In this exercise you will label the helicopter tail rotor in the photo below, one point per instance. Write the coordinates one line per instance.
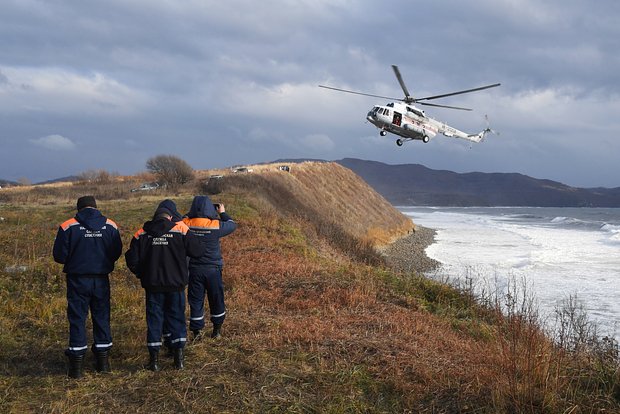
(480, 137)
(488, 128)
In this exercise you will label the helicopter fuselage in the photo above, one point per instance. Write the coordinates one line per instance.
(403, 120)
(410, 122)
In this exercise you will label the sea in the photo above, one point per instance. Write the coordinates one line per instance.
(554, 253)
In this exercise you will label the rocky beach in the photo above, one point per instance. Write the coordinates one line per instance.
(407, 254)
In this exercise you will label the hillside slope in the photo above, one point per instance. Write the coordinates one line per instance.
(327, 193)
(310, 327)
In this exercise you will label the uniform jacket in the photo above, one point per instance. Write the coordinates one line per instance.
(204, 221)
(88, 244)
(157, 255)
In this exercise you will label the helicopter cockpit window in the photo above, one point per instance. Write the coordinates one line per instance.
(391, 105)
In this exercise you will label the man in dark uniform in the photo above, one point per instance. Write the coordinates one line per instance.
(157, 256)
(176, 217)
(210, 222)
(88, 245)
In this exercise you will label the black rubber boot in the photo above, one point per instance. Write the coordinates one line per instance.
(178, 358)
(154, 361)
(102, 363)
(197, 334)
(76, 366)
(168, 346)
(217, 331)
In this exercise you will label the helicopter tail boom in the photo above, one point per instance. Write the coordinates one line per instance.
(479, 137)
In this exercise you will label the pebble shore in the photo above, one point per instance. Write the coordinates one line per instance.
(407, 254)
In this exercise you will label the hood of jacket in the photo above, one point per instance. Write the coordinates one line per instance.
(202, 207)
(170, 205)
(90, 218)
(158, 226)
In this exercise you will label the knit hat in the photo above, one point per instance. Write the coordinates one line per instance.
(161, 211)
(86, 201)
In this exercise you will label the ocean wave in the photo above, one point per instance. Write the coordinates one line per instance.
(570, 222)
(560, 250)
(575, 223)
(610, 228)
(612, 233)
(526, 216)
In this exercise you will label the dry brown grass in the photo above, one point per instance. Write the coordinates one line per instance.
(311, 327)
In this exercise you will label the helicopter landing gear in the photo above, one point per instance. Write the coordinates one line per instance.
(383, 133)
(399, 142)
(425, 139)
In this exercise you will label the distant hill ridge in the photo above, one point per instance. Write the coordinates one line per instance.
(7, 182)
(70, 178)
(415, 184)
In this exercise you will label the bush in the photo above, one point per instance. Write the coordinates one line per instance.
(170, 170)
(97, 177)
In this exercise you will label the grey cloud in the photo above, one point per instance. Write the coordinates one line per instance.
(55, 142)
(178, 77)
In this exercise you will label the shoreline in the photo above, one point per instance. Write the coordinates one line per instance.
(407, 254)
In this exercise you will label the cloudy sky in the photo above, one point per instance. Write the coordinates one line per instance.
(106, 85)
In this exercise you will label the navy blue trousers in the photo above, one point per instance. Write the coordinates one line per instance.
(84, 293)
(168, 306)
(206, 280)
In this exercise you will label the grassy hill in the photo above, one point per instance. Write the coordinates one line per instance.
(316, 321)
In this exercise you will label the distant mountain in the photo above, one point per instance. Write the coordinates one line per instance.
(7, 183)
(415, 184)
(60, 180)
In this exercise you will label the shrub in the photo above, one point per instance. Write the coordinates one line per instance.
(96, 176)
(170, 170)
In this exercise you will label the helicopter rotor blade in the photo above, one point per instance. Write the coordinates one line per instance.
(408, 97)
(457, 93)
(444, 106)
(359, 93)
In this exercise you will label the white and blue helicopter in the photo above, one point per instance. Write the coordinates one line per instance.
(404, 119)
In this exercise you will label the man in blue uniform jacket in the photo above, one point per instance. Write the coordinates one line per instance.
(88, 245)
(176, 217)
(209, 222)
(157, 256)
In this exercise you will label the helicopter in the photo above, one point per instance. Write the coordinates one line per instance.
(409, 122)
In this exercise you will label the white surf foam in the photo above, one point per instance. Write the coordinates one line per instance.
(557, 260)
